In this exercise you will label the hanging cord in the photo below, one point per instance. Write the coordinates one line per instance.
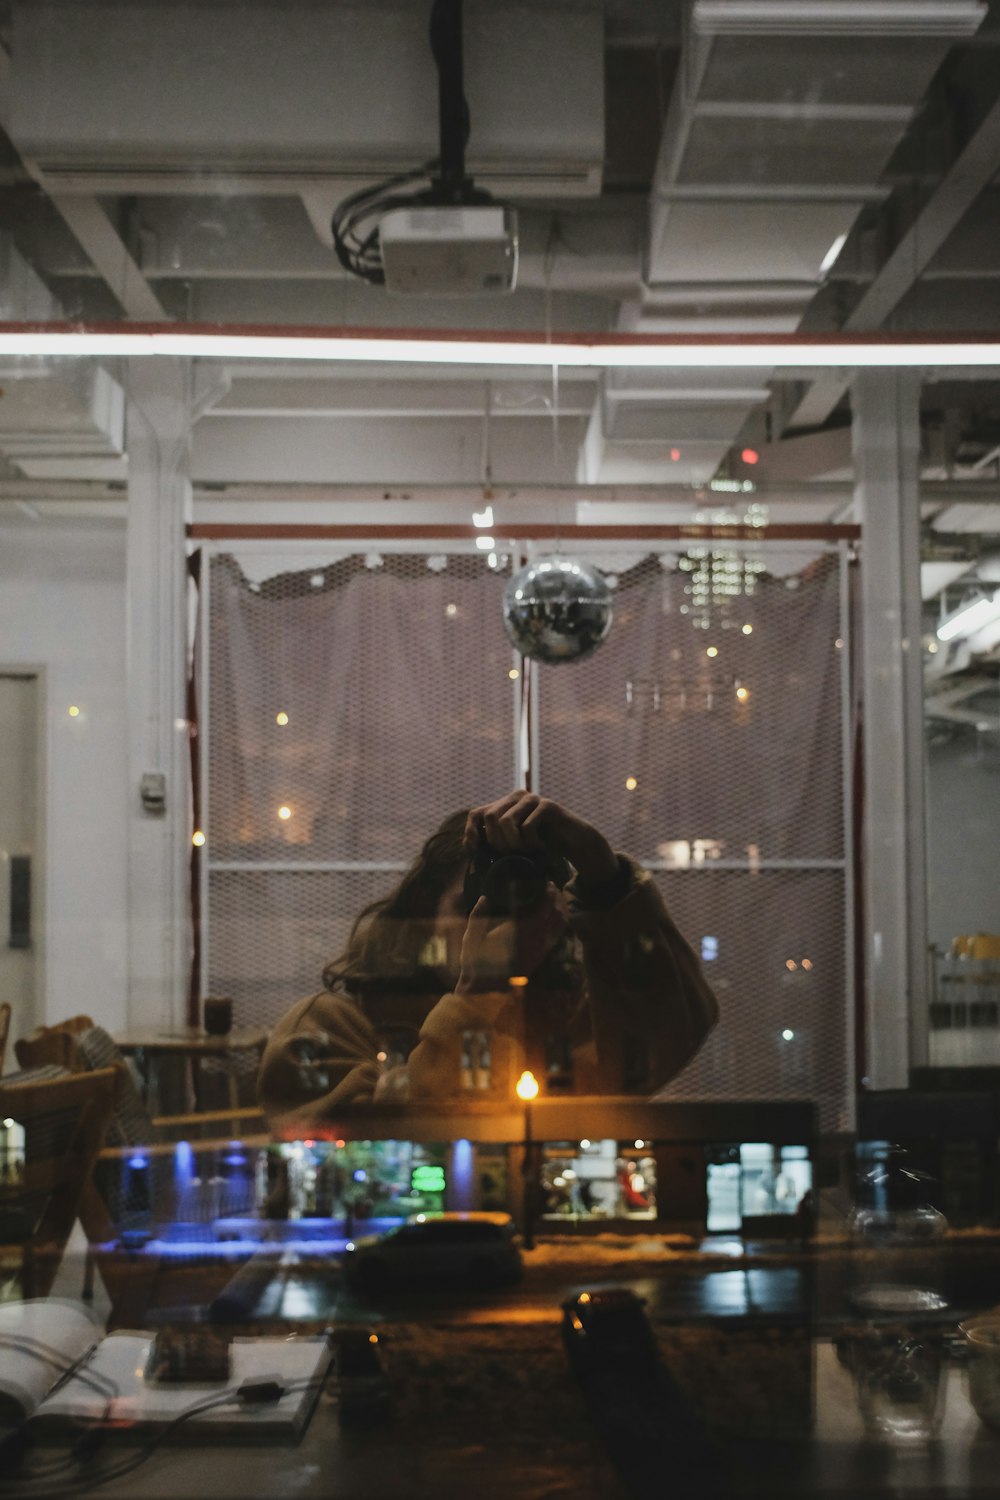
(355, 223)
(486, 456)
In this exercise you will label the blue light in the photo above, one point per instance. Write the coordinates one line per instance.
(462, 1181)
(360, 1175)
(709, 949)
(138, 1162)
(183, 1163)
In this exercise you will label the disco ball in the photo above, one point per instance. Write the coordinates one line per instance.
(557, 609)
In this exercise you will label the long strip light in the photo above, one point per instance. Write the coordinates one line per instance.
(970, 618)
(595, 351)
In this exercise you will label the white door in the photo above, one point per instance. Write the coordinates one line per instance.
(18, 851)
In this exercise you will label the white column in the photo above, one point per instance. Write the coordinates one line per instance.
(159, 507)
(886, 433)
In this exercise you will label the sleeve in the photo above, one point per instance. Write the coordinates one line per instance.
(320, 1057)
(649, 1007)
(435, 1064)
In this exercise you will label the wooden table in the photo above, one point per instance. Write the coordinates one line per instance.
(174, 1054)
(834, 1462)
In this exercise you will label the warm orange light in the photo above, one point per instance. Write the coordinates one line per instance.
(526, 1087)
(518, 981)
(742, 694)
(750, 456)
(373, 1338)
(630, 783)
(807, 963)
(790, 963)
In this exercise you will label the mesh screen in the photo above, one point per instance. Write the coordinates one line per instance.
(761, 924)
(393, 678)
(739, 751)
(392, 673)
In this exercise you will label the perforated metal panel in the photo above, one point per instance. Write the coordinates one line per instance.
(722, 772)
(368, 699)
(715, 756)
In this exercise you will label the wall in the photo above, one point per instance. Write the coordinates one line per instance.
(963, 881)
(62, 611)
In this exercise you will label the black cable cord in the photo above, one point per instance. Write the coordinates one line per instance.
(363, 257)
(67, 1368)
(274, 1392)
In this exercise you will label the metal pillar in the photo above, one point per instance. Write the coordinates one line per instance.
(886, 441)
(159, 836)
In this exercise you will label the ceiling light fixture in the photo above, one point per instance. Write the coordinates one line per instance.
(969, 618)
(826, 264)
(578, 351)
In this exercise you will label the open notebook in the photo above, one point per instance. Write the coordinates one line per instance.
(40, 1339)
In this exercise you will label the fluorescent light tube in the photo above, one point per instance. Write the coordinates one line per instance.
(970, 618)
(832, 253)
(599, 351)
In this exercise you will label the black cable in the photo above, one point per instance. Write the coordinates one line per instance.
(269, 1393)
(68, 1368)
(363, 258)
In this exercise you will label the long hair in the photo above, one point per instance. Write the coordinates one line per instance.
(390, 949)
(387, 950)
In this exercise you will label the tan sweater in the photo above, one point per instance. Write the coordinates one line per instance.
(643, 989)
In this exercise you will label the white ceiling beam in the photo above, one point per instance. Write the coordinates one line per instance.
(88, 221)
(971, 172)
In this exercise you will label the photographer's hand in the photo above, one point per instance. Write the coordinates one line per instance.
(495, 949)
(525, 821)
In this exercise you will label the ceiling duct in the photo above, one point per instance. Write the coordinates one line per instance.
(298, 98)
(784, 116)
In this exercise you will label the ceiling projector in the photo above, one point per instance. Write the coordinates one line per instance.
(450, 250)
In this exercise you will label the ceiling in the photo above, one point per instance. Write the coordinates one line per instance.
(714, 166)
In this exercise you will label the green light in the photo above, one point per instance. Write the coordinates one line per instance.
(427, 1179)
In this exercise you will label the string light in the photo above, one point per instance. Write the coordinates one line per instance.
(281, 718)
(513, 674)
(712, 651)
(748, 630)
(790, 964)
(630, 783)
(743, 693)
(284, 812)
(73, 711)
(197, 838)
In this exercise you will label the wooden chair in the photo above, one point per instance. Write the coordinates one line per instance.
(4, 1031)
(49, 1046)
(132, 1193)
(78, 1046)
(45, 1174)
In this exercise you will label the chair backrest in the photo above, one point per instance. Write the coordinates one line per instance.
(4, 1031)
(64, 1119)
(53, 1046)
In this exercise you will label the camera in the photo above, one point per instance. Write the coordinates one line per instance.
(513, 884)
